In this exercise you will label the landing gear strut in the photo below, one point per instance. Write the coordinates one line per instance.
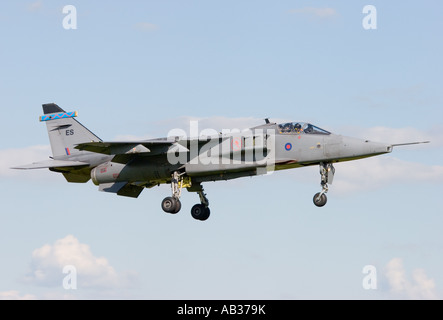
(201, 211)
(327, 171)
(173, 204)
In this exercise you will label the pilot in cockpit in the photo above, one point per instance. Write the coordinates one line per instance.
(288, 127)
(297, 128)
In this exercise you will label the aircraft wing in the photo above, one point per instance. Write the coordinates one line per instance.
(124, 151)
(52, 164)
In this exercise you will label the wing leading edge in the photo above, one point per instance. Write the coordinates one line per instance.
(127, 147)
(124, 151)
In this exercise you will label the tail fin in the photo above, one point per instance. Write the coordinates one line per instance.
(64, 131)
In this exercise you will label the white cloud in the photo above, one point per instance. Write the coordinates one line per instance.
(15, 295)
(16, 157)
(92, 272)
(320, 13)
(376, 172)
(146, 26)
(421, 287)
(397, 135)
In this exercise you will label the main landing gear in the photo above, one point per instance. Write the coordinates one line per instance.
(201, 211)
(327, 171)
(173, 205)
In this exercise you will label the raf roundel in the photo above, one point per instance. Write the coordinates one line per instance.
(288, 146)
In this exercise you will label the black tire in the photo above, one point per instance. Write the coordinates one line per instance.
(206, 214)
(200, 212)
(178, 206)
(169, 204)
(322, 201)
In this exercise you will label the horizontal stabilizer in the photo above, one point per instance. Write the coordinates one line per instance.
(52, 164)
(122, 189)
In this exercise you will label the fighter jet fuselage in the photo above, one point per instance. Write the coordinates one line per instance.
(128, 167)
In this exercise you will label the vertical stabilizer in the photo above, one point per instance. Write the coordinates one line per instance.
(64, 131)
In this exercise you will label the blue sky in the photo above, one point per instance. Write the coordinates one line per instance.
(142, 68)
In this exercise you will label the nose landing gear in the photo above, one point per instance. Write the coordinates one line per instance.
(327, 172)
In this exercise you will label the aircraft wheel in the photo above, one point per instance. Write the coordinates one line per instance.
(170, 205)
(200, 212)
(320, 202)
(206, 214)
(178, 206)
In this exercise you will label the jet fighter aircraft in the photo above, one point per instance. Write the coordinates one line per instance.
(127, 167)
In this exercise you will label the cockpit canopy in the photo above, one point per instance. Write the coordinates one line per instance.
(300, 127)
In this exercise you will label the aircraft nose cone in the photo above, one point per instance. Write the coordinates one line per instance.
(377, 147)
(371, 147)
(353, 147)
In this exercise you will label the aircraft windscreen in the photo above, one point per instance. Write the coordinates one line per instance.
(300, 127)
